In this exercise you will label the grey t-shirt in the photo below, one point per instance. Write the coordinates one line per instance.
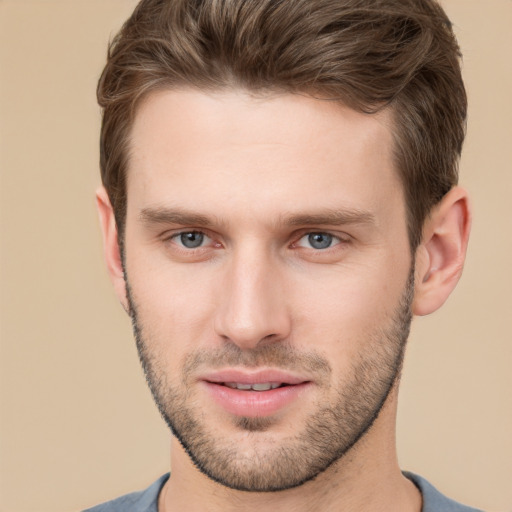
(147, 500)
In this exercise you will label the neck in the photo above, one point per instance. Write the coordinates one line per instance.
(366, 478)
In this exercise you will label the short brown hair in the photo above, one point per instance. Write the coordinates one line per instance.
(368, 54)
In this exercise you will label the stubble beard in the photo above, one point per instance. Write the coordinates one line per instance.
(329, 434)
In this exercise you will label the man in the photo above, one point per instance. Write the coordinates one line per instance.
(279, 198)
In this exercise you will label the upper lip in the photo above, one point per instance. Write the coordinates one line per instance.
(247, 376)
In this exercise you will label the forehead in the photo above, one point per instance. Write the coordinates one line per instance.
(238, 117)
(233, 149)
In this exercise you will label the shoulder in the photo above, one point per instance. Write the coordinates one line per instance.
(433, 500)
(141, 501)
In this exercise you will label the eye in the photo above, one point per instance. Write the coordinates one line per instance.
(318, 240)
(191, 239)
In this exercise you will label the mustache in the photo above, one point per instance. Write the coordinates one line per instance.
(276, 355)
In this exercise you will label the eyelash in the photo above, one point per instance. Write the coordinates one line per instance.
(336, 239)
(175, 236)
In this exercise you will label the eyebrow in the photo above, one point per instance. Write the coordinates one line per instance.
(332, 217)
(162, 215)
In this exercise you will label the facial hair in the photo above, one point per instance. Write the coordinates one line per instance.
(327, 436)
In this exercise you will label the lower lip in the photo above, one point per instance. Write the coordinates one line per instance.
(253, 404)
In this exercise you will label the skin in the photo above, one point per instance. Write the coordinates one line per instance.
(244, 166)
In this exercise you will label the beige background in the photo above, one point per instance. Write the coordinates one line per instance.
(77, 423)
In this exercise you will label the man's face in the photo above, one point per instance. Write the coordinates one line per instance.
(269, 277)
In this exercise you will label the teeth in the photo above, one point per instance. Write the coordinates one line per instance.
(264, 386)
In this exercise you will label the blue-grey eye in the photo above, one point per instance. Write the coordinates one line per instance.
(191, 239)
(320, 240)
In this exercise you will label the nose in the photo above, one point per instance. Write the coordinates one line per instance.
(251, 307)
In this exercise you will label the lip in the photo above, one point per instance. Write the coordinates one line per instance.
(253, 376)
(252, 404)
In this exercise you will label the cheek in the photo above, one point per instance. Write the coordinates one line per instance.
(174, 305)
(341, 316)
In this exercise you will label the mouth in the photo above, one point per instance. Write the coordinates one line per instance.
(255, 394)
(263, 386)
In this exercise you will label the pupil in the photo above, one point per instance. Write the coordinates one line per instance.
(320, 240)
(192, 240)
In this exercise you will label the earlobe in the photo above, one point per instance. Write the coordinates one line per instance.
(111, 248)
(440, 257)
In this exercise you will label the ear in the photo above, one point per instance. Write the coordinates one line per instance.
(441, 254)
(111, 248)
